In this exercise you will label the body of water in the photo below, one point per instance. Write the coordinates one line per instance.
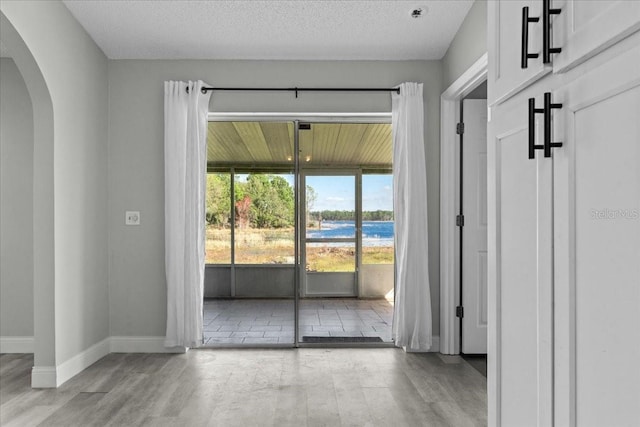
(374, 233)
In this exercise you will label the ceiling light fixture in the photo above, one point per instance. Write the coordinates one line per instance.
(418, 12)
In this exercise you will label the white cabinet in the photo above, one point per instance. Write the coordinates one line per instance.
(597, 246)
(521, 285)
(506, 77)
(585, 28)
(579, 28)
(564, 231)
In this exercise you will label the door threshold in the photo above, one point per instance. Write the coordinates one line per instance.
(293, 346)
(347, 345)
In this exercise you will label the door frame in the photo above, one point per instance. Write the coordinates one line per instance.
(297, 118)
(449, 201)
(357, 239)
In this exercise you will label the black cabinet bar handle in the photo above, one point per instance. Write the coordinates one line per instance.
(547, 50)
(525, 55)
(532, 128)
(548, 106)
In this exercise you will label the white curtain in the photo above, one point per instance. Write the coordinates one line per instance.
(185, 168)
(412, 307)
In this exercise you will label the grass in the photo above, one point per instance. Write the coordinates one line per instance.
(276, 246)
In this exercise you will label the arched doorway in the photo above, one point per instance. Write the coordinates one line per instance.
(43, 204)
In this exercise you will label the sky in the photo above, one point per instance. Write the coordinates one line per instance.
(338, 192)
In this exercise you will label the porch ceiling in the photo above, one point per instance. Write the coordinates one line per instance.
(270, 143)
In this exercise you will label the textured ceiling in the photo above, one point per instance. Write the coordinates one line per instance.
(294, 30)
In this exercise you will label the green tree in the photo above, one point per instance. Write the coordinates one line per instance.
(271, 201)
(261, 201)
(218, 199)
(257, 187)
(286, 200)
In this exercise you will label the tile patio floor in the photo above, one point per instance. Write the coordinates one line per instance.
(271, 321)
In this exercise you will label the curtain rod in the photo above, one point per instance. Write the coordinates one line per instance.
(303, 89)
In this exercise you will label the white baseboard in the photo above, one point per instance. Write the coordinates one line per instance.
(16, 344)
(82, 361)
(52, 376)
(55, 376)
(132, 344)
(43, 377)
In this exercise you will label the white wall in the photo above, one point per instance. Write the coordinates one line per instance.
(138, 296)
(469, 44)
(75, 73)
(126, 104)
(16, 204)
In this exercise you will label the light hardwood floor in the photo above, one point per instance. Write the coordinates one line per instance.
(291, 387)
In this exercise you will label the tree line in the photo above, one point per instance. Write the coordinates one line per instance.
(266, 201)
(329, 215)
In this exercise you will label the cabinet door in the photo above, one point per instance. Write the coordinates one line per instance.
(520, 288)
(585, 28)
(506, 77)
(597, 247)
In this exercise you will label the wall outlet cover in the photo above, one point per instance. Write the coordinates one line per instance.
(132, 218)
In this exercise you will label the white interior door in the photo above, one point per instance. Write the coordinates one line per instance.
(474, 243)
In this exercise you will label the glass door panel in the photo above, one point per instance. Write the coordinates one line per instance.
(250, 272)
(347, 253)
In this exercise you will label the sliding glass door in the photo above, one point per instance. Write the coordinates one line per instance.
(299, 233)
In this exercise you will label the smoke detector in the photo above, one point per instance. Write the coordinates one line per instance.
(418, 12)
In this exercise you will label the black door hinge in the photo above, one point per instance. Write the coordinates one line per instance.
(460, 128)
(459, 220)
(460, 311)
